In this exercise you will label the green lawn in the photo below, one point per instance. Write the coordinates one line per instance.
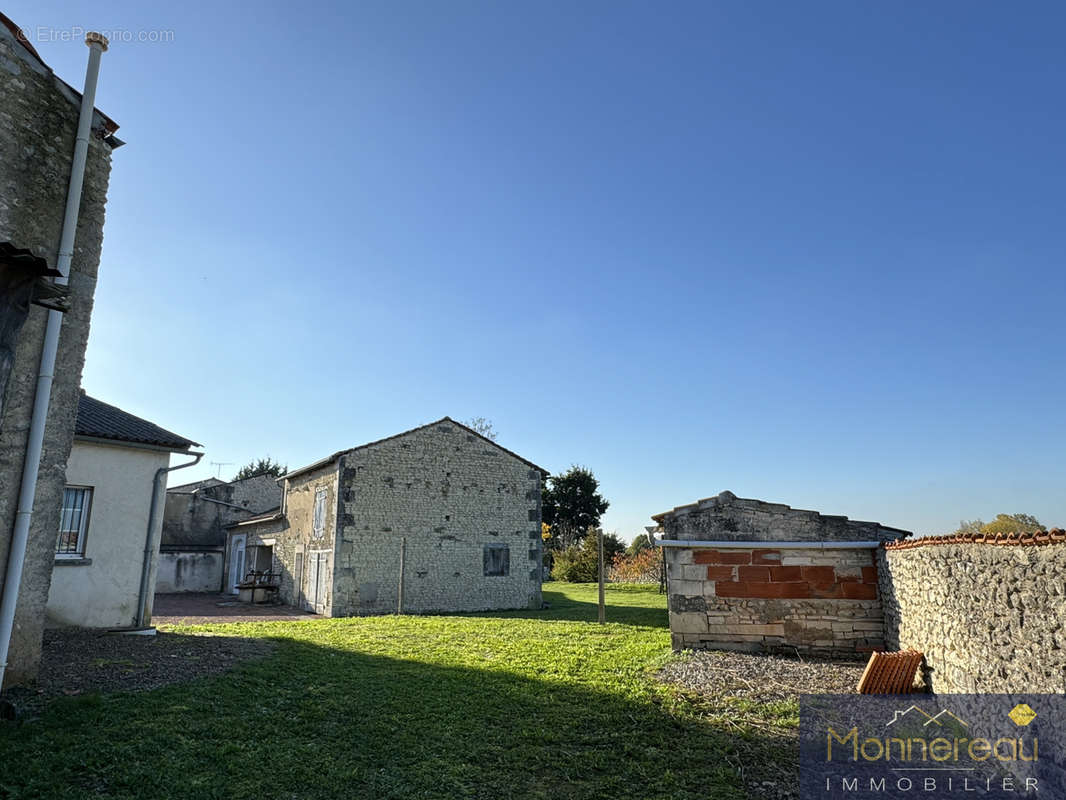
(543, 704)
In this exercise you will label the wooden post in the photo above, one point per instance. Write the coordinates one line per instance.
(599, 538)
(403, 558)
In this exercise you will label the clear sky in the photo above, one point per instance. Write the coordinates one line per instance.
(808, 252)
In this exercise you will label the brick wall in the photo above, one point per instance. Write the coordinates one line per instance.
(817, 601)
(987, 613)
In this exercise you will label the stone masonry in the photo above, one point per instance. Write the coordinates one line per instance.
(38, 120)
(820, 600)
(459, 500)
(732, 518)
(987, 612)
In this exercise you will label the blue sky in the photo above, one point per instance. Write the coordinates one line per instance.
(808, 252)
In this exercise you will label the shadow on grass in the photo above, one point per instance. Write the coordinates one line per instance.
(317, 720)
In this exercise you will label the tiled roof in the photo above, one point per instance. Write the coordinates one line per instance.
(102, 421)
(265, 516)
(442, 421)
(1053, 536)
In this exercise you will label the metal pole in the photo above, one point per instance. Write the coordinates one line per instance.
(403, 558)
(599, 537)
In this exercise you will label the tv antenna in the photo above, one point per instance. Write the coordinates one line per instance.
(220, 465)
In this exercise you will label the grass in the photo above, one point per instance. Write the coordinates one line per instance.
(544, 704)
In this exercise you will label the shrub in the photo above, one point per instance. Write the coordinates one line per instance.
(642, 567)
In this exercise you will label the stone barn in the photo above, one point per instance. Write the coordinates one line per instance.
(440, 513)
(750, 575)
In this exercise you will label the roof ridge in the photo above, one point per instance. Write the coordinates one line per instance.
(445, 418)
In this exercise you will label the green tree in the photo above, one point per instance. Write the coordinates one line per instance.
(263, 466)
(579, 562)
(1013, 523)
(571, 506)
(1003, 523)
(639, 544)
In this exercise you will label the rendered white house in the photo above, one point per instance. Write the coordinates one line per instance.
(104, 525)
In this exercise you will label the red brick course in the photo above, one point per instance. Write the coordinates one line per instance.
(758, 573)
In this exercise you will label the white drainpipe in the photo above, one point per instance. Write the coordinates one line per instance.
(150, 544)
(35, 441)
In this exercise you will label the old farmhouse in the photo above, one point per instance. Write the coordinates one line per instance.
(438, 518)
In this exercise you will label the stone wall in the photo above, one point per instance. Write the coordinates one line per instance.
(814, 601)
(727, 517)
(38, 120)
(988, 615)
(197, 518)
(450, 493)
(189, 571)
(294, 537)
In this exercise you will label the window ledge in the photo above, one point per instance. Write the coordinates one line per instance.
(73, 562)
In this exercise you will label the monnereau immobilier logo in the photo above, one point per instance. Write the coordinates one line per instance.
(932, 746)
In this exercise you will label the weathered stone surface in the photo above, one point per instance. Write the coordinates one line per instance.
(988, 618)
(38, 120)
(727, 517)
(448, 493)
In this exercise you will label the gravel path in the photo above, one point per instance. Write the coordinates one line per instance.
(78, 661)
(725, 684)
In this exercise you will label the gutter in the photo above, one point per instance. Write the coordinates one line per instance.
(762, 543)
(150, 545)
(35, 439)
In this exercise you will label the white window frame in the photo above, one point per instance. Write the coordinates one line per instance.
(83, 524)
(318, 513)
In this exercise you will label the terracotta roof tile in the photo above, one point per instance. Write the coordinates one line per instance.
(1053, 536)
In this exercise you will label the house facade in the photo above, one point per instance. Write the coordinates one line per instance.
(195, 522)
(436, 519)
(105, 515)
(745, 574)
(37, 132)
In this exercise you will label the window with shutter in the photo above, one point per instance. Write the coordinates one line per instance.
(497, 560)
(319, 524)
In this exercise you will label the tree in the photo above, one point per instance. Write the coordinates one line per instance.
(1013, 523)
(482, 426)
(264, 466)
(1003, 523)
(579, 562)
(571, 506)
(639, 544)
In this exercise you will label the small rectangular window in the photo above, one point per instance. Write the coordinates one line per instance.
(319, 523)
(497, 559)
(74, 521)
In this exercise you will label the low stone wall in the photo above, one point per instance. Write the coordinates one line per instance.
(815, 601)
(987, 613)
(189, 571)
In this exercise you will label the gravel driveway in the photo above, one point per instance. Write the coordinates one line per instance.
(74, 662)
(725, 683)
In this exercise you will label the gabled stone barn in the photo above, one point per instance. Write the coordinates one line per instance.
(448, 514)
(749, 575)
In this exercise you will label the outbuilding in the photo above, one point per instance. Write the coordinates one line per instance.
(750, 575)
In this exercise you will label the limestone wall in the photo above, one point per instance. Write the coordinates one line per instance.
(450, 494)
(38, 120)
(194, 519)
(295, 541)
(990, 616)
(814, 601)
